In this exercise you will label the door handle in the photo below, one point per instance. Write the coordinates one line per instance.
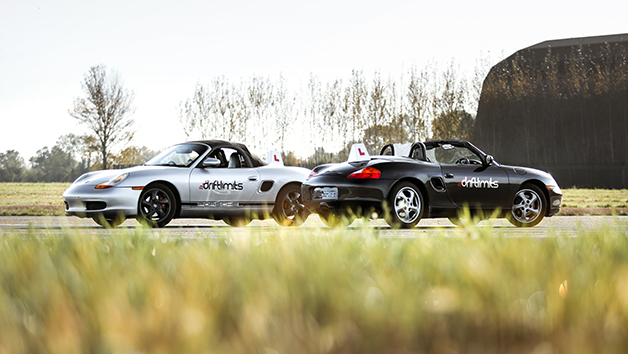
(449, 175)
(252, 178)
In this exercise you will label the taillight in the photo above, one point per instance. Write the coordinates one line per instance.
(366, 173)
(312, 174)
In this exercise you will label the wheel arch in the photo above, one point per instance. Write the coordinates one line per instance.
(541, 186)
(420, 185)
(174, 190)
(293, 183)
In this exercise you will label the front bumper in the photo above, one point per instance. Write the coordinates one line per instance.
(86, 201)
(555, 201)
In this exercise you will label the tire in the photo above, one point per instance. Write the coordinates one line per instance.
(237, 221)
(157, 205)
(334, 220)
(109, 222)
(289, 209)
(528, 207)
(405, 204)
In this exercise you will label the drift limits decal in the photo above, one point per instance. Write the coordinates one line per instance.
(478, 183)
(220, 185)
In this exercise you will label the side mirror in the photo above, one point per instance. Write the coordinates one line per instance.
(210, 162)
(489, 159)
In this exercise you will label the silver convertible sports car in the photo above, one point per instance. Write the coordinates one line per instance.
(198, 179)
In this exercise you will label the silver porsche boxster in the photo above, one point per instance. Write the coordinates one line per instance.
(197, 179)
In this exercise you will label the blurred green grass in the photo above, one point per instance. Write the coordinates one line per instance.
(314, 290)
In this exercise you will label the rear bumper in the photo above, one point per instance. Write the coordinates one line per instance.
(357, 199)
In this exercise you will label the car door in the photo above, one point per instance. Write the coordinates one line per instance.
(476, 186)
(469, 181)
(230, 185)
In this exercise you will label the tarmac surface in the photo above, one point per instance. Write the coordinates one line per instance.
(204, 228)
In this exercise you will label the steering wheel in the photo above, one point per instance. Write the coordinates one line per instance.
(463, 161)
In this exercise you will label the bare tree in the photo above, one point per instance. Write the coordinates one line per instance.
(105, 109)
(417, 104)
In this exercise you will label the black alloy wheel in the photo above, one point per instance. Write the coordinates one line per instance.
(289, 209)
(157, 205)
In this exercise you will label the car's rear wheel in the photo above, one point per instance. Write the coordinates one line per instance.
(405, 206)
(108, 222)
(289, 209)
(157, 205)
(528, 207)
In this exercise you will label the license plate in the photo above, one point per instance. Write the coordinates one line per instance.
(328, 193)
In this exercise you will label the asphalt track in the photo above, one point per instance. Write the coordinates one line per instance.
(202, 228)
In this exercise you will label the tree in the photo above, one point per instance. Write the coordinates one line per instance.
(133, 156)
(11, 166)
(453, 125)
(105, 110)
(54, 165)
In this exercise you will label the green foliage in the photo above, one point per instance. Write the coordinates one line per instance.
(453, 125)
(11, 166)
(314, 290)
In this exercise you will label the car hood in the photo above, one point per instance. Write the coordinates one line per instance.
(530, 172)
(98, 177)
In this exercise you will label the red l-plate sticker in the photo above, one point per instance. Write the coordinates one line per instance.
(276, 159)
(360, 151)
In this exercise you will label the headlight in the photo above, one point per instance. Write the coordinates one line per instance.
(113, 182)
(556, 189)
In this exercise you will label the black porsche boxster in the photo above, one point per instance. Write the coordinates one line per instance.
(433, 179)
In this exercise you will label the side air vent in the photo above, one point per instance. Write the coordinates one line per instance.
(438, 184)
(266, 186)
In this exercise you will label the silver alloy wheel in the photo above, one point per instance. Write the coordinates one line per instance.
(527, 206)
(407, 205)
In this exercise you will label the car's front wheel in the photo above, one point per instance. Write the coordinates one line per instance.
(528, 207)
(157, 205)
(289, 209)
(405, 206)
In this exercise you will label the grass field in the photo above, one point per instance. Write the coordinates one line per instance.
(37, 199)
(313, 291)
(45, 199)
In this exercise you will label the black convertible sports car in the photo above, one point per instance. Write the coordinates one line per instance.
(428, 180)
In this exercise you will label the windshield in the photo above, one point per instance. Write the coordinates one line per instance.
(451, 154)
(182, 155)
